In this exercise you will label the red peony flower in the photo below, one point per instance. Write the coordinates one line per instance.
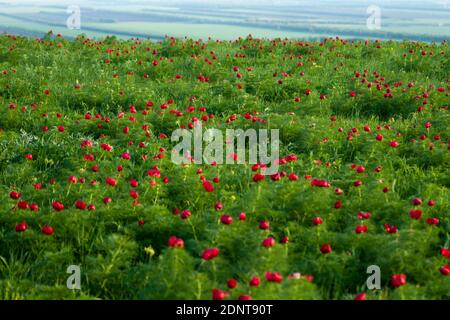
(210, 253)
(398, 280)
(58, 206)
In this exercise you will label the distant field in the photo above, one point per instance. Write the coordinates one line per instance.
(201, 31)
(423, 21)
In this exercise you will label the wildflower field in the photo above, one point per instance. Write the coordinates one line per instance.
(87, 180)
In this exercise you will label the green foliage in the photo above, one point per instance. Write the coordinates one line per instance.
(302, 89)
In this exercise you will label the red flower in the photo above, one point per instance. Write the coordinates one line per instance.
(47, 230)
(245, 297)
(398, 280)
(232, 283)
(317, 221)
(58, 206)
(268, 242)
(415, 214)
(15, 195)
(433, 221)
(254, 281)
(274, 277)
(394, 144)
(208, 186)
(79, 204)
(320, 183)
(291, 158)
(185, 214)
(360, 296)
(219, 294)
(134, 194)
(390, 228)
(445, 270)
(293, 177)
(134, 183)
(445, 252)
(154, 172)
(21, 227)
(106, 147)
(338, 204)
(309, 277)
(264, 225)
(226, 219)
(357, 183)
(218, 206)
(210, 253)
(89, 157)
(361, 229)
(326, 248)
(111, 181)
(275, 176)
(362, 215)
(72, 179)
(175, 242)
(258, 177)
(22, 205)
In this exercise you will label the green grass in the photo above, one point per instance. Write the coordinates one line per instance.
(121, 258)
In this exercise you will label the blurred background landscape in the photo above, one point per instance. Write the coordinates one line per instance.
(200, 19)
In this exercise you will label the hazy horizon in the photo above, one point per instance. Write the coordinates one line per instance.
(220, 19)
